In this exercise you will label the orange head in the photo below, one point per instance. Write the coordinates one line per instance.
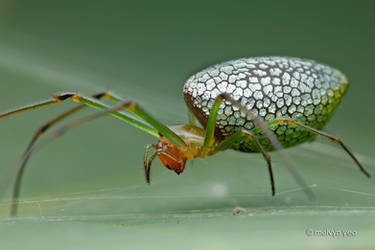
(173, 158)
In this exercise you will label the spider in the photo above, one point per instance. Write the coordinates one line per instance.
(258, 104)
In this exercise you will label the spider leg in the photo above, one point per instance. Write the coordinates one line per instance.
(323, 134)
(59, 118)
(237, 138)
(148, 167)
(210, 130)
(211, 124)
(55, 134)
(145, 161)
(88, 102)
(145, 123)
(191, 118)
(44, 128)
(156, 126)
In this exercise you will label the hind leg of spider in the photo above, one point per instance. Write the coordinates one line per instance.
(260, 124)
(238, 138)
(323, 134)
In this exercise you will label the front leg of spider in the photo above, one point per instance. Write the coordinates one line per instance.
(148, 124)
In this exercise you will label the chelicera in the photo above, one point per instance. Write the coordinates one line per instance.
(259, 104)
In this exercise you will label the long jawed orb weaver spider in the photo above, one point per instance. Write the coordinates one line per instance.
(256, 104)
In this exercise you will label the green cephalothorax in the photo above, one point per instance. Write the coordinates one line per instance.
(258, 104)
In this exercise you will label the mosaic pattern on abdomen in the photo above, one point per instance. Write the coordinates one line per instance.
(272, 88)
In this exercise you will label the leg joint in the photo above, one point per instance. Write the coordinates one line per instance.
(63, 96)
(44, 128)
(132, 106)
(337, 140)
(99, 94)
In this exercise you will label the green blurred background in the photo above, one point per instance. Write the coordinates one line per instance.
(87, 190)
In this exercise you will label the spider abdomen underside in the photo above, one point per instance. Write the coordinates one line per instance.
(271, 88)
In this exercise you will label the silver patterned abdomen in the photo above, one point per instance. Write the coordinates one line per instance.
(272, 88)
